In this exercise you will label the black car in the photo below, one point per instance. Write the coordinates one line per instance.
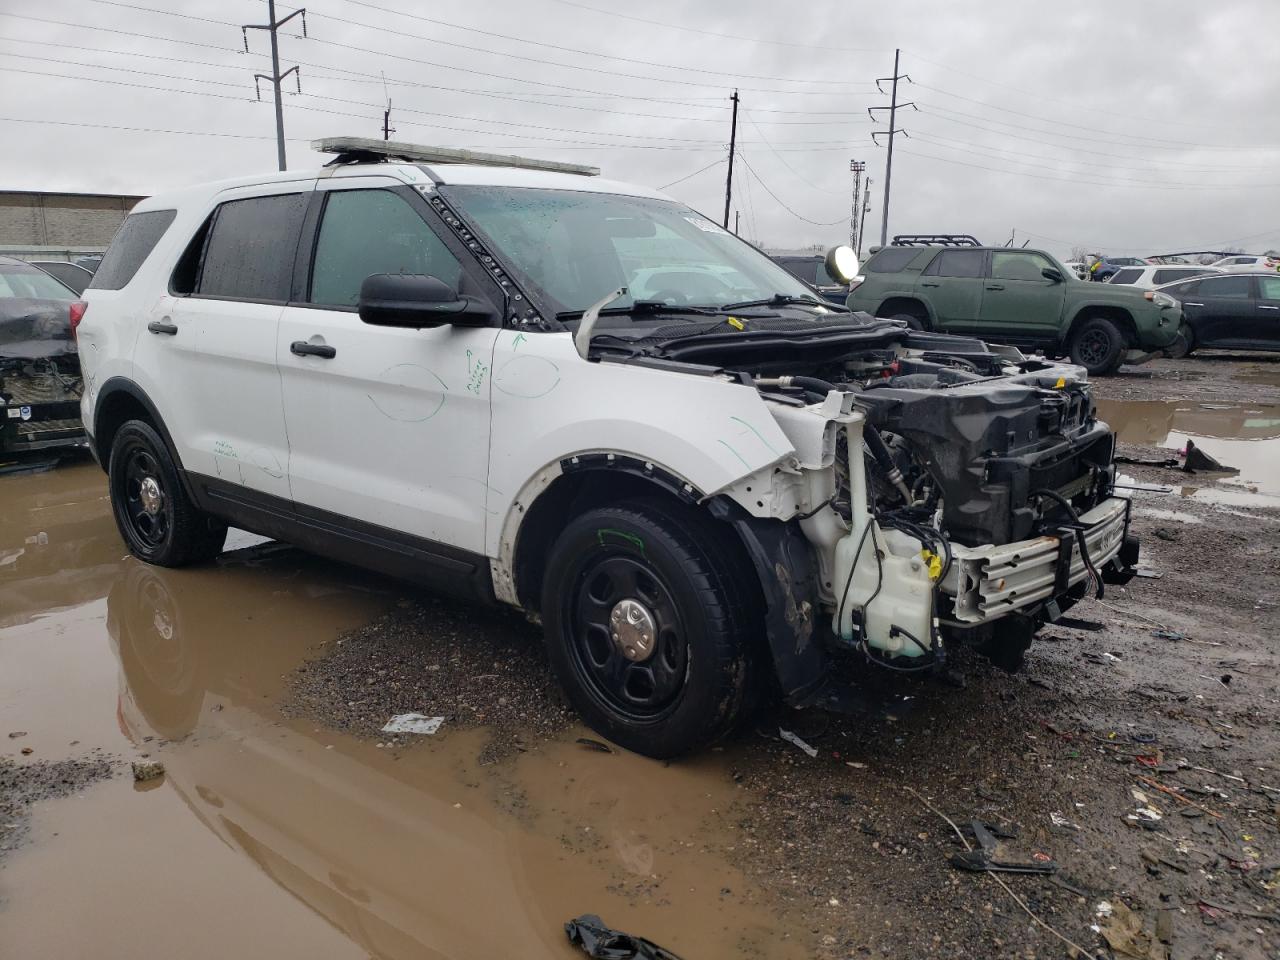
(1231, 311)
(72, 275)
(40, 379)
(813, 271)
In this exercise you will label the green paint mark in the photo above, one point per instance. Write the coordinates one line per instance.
(630, 538)
(758, 434)
(735, 453)
(520, 338)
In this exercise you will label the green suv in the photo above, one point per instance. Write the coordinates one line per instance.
(1021, 297)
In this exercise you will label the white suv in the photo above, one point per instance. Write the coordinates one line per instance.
(426, 362)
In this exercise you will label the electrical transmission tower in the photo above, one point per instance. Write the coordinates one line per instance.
(276, 76)
(893, 107)
(857, 168)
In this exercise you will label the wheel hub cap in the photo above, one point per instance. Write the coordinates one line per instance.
(151, 496)
(633, 630)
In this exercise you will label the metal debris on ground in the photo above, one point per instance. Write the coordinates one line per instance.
(413, 723)
(602, 943)
(987, 859)
(790, 737)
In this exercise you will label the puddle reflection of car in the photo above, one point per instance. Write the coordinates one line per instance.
(1150, 422)
(397, 866)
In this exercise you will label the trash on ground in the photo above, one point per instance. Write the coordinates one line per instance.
(413, 723)
(597, 745)
(988, 859)
(790, 737)
(1058, 820)
(602, 943)
(147, 769)
(1197, 460)
(1124, 933)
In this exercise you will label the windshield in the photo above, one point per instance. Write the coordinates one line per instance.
(31, 283)
(576, 246)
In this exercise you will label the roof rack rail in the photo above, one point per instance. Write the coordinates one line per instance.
(935, 240)
(370, 150)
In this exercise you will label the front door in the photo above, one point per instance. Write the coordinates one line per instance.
(952, 285)
(1018, 300)
(220, 386)
(1221, 311)
(1267, 312)
(388, 427)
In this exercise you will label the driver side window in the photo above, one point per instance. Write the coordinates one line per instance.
(364, 232)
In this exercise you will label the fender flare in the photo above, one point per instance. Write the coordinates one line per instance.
(116, 386)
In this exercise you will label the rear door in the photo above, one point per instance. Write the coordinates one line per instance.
(1266, 319)
(1018, 300)
(388, 427)
(1221, 311)
(952, 285)
(222, 316)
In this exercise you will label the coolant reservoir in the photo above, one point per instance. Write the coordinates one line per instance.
(885, 572)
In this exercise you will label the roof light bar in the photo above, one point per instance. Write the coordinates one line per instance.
(366, 149)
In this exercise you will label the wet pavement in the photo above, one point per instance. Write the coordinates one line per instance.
(287, 825)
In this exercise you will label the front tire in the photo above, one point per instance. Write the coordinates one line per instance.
(1098, 346)
(911, 320)
(650, 630)
(156, 519)
(1183, 345)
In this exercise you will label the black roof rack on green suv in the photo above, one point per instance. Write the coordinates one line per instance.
(935, 240)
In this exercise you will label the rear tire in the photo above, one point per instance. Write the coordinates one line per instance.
(1184, 345)
(650, 627)
(1098, 346)
(156, 519)
(912, 321)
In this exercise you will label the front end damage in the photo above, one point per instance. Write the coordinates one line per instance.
(947, 494)
(40, 379)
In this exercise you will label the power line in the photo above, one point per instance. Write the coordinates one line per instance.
(714, 163)
(712, 33)
(765, 186)
(783, 161)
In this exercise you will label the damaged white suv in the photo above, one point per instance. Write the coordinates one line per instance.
(515, 381)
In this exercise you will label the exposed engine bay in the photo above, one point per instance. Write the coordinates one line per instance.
(956, 492)
(40, 379)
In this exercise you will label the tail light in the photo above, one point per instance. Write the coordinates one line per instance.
(78, 308)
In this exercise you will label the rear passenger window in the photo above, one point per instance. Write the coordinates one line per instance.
(1129, 275)
(373, 231)
(892, 259)
(1169, 276)
(957, 263)
(131, 245)
(251, 248)
(1234, 287)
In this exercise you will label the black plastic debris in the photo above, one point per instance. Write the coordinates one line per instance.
(602, 943)
(1197, 460)
(985, 858)
(597, 745)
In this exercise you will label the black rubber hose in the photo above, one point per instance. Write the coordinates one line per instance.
(1080, 540)
(813, 383)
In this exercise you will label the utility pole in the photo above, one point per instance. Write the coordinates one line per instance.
(893, 129)
(737, 221)
(856, 167)
(387, 129)
(733, 141)
(276, 76)
(862, 220)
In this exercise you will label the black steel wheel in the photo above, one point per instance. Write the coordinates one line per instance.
(652, 626)
(156, 519)
(1098, 346)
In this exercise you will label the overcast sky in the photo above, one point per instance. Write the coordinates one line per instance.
(1131, 128)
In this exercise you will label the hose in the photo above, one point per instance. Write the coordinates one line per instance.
(1080, 539)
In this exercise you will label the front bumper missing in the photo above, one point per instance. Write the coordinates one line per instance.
(989, 582)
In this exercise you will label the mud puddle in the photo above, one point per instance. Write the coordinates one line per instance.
(282, 837)
(1245, 436)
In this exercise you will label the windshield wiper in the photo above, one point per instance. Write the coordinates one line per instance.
(644, 306)
(777, 300)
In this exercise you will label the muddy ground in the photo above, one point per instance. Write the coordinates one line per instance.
(264, 684)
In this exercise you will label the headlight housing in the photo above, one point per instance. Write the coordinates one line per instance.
(1161, 300)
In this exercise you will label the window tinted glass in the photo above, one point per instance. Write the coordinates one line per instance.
(1269, 288)
(31, 283)
(1185, 289)
(372, 231)
(1168, 276)
(1234, 287)
(131, 245)
(1018, 266)
(892, 259)
(1128, 275)
(957, 263)
(251, 248)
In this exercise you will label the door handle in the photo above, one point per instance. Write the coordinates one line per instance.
(1189, 303)
(926, 283)
(995, 286)
(1263, 306)
(158, 326)
(304, 349)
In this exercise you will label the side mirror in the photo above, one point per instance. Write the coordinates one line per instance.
(842, 263)
(1052, 273)
(416, 301)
